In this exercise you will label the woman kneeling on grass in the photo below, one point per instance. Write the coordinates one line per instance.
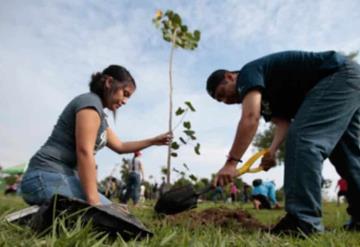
(65, 164)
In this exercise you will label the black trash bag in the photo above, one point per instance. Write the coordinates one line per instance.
(112, 219)
(178, 200)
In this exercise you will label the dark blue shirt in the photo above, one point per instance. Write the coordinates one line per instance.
(285, 78)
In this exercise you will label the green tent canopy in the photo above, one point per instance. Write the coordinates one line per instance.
(18, 169)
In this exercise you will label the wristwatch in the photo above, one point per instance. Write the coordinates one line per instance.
(231, 158)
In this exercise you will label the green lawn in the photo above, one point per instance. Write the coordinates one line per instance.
(180, 230)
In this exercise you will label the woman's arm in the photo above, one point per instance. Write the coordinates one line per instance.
(114, 143)
(86, 129)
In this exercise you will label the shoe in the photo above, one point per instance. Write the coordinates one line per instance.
(292, 226)
(352, 225)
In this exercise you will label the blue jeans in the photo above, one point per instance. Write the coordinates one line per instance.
(38, 187)
(327, 125)
(133, 188)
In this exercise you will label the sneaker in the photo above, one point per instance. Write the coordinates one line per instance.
(352, 225)
(290, 225)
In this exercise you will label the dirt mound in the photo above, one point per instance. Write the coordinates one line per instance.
(219, 217)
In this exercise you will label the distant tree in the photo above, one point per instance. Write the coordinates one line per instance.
(264, 139)
(181, 182)
(124, 170)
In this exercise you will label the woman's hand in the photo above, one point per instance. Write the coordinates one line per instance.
(163, 139)
(268, 161)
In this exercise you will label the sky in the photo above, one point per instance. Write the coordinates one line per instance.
(49, 49)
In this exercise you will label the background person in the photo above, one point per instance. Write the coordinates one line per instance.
(136, 174)
(65, 164)
(233, 192)
(343, 187)
(263, 195)
(313, 98)
(245, 192)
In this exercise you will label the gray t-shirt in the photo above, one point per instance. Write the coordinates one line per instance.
(58, 154)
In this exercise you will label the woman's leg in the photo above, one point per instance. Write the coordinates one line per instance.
(38, 187)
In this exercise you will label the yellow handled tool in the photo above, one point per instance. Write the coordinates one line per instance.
(185, 197)
(246, 168)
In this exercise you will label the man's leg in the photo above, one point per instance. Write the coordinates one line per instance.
(346, 159)
(319, 124)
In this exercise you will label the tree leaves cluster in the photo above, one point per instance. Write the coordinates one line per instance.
(263, 140)
(174, 31)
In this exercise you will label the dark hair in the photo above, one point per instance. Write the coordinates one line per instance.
(118, 73)
(214, 80)
(257, 182)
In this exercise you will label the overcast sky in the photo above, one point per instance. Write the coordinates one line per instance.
(49, 49)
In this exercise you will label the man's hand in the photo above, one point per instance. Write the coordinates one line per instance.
(225, 175)
(268, 161)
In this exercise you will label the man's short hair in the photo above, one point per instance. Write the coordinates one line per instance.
(214, 80)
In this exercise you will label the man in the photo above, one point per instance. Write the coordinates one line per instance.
(263, 195)
(314, 101)
(136, 174)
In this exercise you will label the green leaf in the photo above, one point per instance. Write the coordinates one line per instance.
(197, 35)
(186, 167)
(193, 177)
(184, 28)
(176, 20)
(166, 36)
(179, 111)
(182, 140)
(187, 125)
(176, 170)
(175, 145)
(173, 154)
(189, 132)
(164, 170)
(169, 13)
(197, 149)
(188, 103)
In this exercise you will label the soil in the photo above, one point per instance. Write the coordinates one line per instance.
(236, 219)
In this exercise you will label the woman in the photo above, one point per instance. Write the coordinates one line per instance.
(65, 164)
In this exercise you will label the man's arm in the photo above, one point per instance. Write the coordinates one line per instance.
(248, 124)
(142, 170)
(246, 131)
(281, 128)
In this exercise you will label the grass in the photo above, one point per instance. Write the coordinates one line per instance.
(168, 234)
